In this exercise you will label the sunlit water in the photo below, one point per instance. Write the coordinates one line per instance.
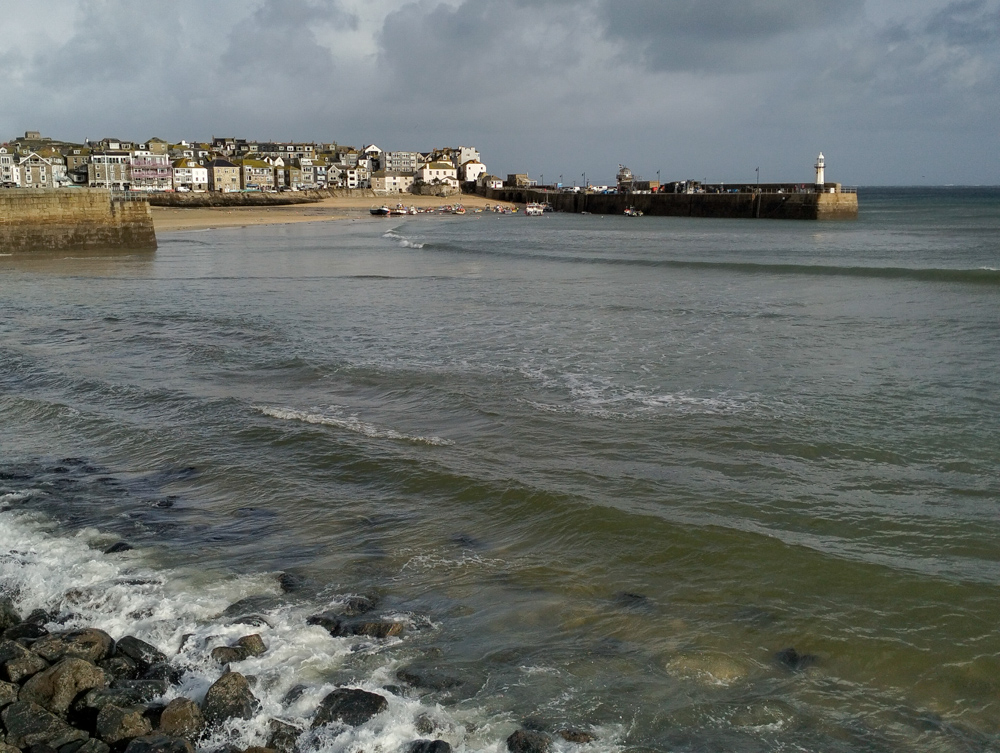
(603, 468)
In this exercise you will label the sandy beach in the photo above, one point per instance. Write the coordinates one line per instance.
(166, 219)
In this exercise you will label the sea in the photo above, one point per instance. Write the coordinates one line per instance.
(673, 484)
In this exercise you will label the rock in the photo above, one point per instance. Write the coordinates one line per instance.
(29, 724)
(55, 688)
(351, 706)
(8, 693)
(118, 546)
(429, 746)
(424, 724)
(230, 696)
(142, 653)
(250, 605)
(17, 662)
(91, 746)
(182, 718)
(83, 713)
(228, 654)
(326, 620)
(90, 645)
(115, 724)
(259, 749)
(792, 660)
(9, 616)
(355, 606)
(430, 680)
(283, 736)
(294, 694)
(253, 620)
(163, 671)
(290, 582)
(146, 690)
(120, 668)
(24, 631)
(576, 736)
(374, 629)
(39, 617)
(529, 741)
(4, 748)
(159, 744)
(252, 644)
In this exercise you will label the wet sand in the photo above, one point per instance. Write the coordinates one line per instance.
(166, 219)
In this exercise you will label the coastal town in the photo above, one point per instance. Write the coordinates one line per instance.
(229, 165)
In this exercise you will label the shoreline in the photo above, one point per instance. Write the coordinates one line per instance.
(175, 219)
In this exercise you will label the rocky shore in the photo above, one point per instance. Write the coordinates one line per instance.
(85, 691)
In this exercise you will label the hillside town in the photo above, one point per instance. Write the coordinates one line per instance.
(232, 165)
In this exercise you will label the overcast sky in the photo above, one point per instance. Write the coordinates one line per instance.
(892, 91)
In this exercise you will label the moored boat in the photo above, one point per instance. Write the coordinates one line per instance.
(534, 209)
(382, 211)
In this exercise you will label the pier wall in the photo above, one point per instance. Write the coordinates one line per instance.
(776, 206)
(41, 220)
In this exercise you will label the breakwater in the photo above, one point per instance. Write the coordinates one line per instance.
(762, 205)
(252, 198)
(37, 221)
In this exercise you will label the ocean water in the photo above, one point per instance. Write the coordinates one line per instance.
(604, 469)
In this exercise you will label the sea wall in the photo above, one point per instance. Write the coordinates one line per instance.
(189, 200)
(41, 220)
(776, 206)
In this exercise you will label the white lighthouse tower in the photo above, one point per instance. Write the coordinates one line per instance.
(820, 173)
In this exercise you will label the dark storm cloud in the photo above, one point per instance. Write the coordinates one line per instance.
(721, 35)
(279, 44)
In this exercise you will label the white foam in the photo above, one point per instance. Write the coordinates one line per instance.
(333, 416)
(179, 611)
(403, 241)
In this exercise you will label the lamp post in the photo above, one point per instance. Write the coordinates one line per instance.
(560, 180)
(585, 181)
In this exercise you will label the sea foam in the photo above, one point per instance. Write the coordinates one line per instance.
(333, 417)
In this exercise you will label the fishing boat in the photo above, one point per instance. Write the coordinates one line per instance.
(382, 211)
(534, 209)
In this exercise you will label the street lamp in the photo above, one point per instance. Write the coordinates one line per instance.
(585, 181)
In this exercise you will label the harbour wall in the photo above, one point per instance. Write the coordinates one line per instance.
(775, 206)
(45, 220)
(196, 199)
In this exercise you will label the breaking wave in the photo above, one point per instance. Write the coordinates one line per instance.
(334, 418)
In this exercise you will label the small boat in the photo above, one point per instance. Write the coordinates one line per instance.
(458, 209)
(382, 211)
(633, 212)
(534, 209)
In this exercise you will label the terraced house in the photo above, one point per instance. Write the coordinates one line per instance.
(255, 174)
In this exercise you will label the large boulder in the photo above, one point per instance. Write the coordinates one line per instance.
(159, 744)
(529, 741)
(90, 645)
(115, 724)
(143, 654)
(429, 746)
(55, 688)
(182, 718)
(373, 628)
(329, 621)
(283, 736)
(230, 696)
(29, 724)
(18, 663)
(351, 706)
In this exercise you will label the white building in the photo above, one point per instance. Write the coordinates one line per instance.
(390, 182)
(10, 170)
(433, 173)
(471, 170)
(188, 175)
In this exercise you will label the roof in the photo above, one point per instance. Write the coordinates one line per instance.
(439, 166)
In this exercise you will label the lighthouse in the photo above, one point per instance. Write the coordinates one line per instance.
(820, 173)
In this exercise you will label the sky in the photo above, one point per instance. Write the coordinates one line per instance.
(893, 92)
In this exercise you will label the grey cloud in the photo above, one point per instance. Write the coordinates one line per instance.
(966, 23)
(721, 35)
